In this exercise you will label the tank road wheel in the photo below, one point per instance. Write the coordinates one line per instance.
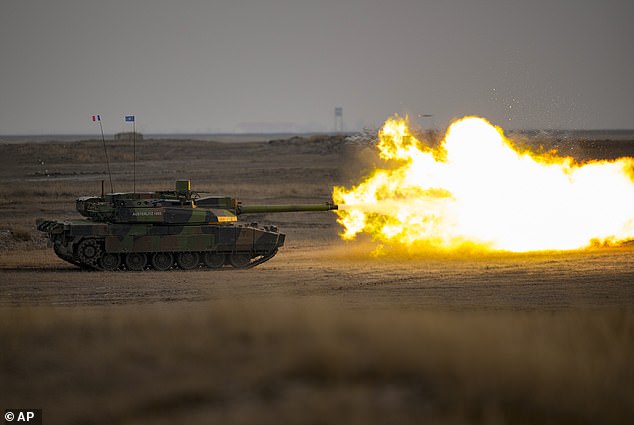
(136, 261)
(110, 262)
(162, 260)
(214, 260)
(239, 260)
(187, 260)
(89, 252)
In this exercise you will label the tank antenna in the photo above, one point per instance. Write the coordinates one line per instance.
(97, 118)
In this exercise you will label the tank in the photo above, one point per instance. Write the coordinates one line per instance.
(166, 229)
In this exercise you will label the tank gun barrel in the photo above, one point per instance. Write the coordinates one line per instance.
(258, 209)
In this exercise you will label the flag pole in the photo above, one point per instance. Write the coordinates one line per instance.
(103, 139)
(132, 119)
(134, 154)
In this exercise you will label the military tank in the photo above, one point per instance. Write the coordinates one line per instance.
(166, 229)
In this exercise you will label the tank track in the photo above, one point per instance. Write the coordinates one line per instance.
(150, 261)
(89, 252)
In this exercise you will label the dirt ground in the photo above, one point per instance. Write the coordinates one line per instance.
(325, 332)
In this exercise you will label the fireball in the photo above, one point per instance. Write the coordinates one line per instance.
(477, 189)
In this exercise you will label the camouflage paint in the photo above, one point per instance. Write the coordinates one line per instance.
(121, 226)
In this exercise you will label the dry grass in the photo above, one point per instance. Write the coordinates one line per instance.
(307, 362)
(324, 333)
(21, 233)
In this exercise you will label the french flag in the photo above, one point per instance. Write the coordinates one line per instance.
(96, 118)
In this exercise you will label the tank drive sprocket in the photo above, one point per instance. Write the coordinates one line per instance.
(89, 252)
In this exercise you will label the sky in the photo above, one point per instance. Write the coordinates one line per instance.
(213, 66)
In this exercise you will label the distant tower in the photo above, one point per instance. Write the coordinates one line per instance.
(338, 119)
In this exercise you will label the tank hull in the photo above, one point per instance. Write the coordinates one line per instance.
(116, 246)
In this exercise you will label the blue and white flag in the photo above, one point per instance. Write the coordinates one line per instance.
(129, 118)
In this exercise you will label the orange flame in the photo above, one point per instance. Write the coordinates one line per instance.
(475, 189)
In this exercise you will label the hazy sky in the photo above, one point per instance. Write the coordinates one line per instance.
(283, 65)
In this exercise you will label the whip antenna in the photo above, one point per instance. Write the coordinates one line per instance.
(97, 118)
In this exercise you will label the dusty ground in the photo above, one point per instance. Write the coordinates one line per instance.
(322, 333)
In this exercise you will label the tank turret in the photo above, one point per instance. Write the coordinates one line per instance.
(164, 229)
